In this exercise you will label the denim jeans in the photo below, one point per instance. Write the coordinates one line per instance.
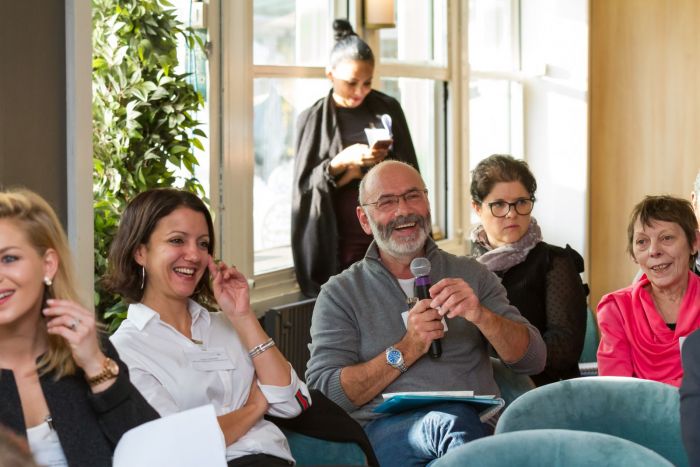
(417, 437)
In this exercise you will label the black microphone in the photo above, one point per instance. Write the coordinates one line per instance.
(420, 268)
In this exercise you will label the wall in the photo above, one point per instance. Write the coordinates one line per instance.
(644, 119)
(33, 99)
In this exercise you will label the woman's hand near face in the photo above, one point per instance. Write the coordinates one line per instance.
(78, 327)
(230, 289)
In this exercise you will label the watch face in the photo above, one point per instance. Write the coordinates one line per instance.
(113, 367)
(393, 357)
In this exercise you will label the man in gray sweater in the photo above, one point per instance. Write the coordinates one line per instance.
(369, 338)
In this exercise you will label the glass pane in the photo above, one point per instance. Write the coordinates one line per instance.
(492, 41)
(423, 103)
(495, 119)
(292, 32)
(420, 35)
(194, 62)
(277, 104)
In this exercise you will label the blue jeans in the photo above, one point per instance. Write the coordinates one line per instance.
(417, 437)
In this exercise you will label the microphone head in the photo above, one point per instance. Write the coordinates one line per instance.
(420, 267)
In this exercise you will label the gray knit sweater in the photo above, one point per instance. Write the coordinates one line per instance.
(358, 315)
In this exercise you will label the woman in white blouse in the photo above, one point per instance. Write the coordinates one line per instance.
(179, 354)
(61, 386)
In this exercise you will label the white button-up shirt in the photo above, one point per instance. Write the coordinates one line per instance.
(163, 365)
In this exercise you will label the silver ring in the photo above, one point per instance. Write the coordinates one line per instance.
(74, 324)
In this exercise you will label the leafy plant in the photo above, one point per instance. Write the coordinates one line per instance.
(143, 124)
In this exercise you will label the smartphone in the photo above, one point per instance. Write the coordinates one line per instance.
(382, 144)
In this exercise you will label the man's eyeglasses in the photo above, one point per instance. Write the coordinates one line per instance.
(522, 206)
(388, 203)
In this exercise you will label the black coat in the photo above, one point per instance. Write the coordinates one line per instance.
(88, 425)
(547, 290)
(690, 397)
(314, 228)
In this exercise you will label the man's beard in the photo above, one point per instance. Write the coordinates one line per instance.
(405, 246)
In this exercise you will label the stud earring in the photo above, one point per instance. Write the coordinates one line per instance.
(143, 277)
(47, 281)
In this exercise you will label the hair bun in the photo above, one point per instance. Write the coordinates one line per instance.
(342, 29)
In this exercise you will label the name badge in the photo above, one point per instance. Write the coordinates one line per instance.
(212, 359)
(404, 315)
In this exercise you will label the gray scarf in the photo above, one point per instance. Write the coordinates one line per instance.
(504, 257)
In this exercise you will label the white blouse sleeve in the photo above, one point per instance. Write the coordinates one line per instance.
(286, 401)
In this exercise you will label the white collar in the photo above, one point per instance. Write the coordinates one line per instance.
(140, 314)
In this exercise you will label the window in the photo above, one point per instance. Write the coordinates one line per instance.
(194, 62)
(495, 88)
(413, 69)
(291, 43)
(528, 98)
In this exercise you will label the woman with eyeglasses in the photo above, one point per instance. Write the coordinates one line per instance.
(333, 152)
(541, 280)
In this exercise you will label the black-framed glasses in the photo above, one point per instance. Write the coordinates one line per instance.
(522, 206)
(390, 202)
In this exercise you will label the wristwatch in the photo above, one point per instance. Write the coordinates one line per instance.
(394, 358)
(110, 369)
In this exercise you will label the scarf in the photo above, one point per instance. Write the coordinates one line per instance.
(504, 257)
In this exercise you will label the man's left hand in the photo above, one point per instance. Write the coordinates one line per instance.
(454, 297)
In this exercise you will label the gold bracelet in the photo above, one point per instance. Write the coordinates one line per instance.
(258, 349)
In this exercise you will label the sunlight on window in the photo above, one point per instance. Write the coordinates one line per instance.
(420, 35)
(277, 104)
(290, 32)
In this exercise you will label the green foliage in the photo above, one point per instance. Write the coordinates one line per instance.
(143, 124)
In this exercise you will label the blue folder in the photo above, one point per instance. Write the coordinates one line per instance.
(489, 405)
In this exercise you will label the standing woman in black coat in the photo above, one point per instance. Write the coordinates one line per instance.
(332, 155)
(61, 386)
(542, 281)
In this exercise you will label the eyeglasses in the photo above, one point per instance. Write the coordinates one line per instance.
(388, 203)
(522, 206)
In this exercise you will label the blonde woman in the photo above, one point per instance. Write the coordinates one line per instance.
(61, 385)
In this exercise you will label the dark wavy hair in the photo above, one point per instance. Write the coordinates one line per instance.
(348, 45)
(135, 228)
(500, 168)
(664, 208)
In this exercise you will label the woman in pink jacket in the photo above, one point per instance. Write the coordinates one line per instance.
(642, 326)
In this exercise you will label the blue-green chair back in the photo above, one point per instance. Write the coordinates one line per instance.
(642, 411)
(307, 450)
(591, 340)
(535, 448)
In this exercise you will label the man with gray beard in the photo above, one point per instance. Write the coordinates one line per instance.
(370, 336)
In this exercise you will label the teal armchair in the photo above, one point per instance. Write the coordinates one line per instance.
(536, 448)
(642, 411)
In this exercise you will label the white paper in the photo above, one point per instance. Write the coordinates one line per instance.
(186, 439)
